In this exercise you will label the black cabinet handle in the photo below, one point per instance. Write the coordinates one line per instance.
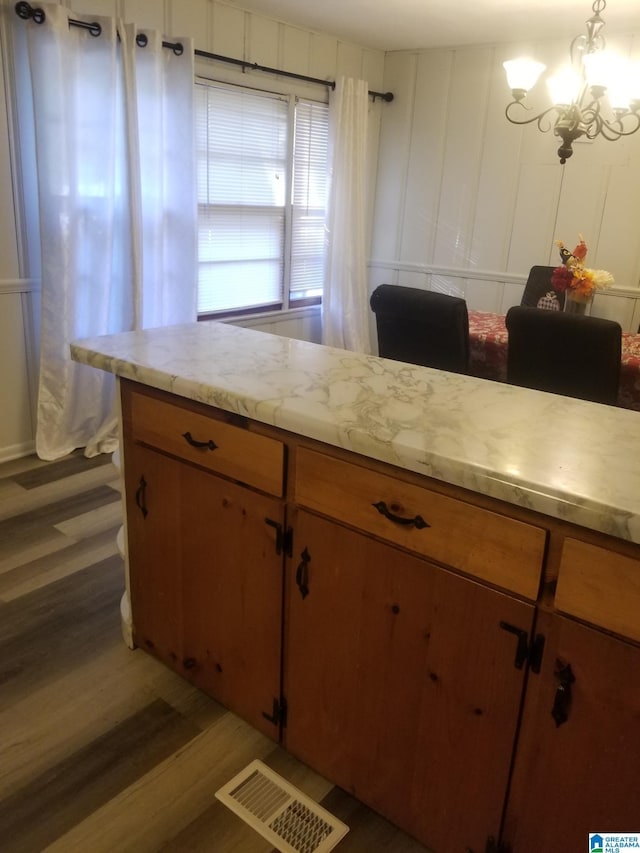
(562, 700)
(209, 445)
(418, 521)
(302, 574)
(141, 497)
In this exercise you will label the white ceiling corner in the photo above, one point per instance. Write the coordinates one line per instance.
(413, 24)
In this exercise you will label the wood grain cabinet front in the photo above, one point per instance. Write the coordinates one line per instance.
(576, 767)
(205, 566)
(186, 431)
(599, 586)
(491, 547)
(403, 682)
(576, 761)
(397, 628)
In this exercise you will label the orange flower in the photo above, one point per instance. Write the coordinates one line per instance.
(582, 285)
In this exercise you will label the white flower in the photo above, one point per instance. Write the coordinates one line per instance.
(601, 278)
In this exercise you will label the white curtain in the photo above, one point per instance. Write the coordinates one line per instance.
(345, 299)
(116, 198)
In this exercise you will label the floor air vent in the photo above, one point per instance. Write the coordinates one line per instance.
(282, 814)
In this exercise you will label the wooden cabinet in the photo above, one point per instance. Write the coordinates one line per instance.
(206, 572)
(580, 776)
(400, 675)
(397, 632)
(577, 757)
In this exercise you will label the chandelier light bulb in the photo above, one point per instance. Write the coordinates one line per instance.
(619, 90)
(564, 87)
(523, 73)
(601, 68)
(619, 96)
(634, 82)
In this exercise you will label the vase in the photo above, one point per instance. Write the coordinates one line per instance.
(575, 306)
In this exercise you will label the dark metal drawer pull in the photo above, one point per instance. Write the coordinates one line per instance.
(141, 497)
(562, 700)
(210, 445)
(418, 522)
(302, 573)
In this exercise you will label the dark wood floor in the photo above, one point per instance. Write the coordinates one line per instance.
(101, 747)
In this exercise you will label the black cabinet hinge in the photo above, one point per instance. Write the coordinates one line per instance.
(284, 538)
(536, 650)
(526, 652)
(287, 542)
(278, 715)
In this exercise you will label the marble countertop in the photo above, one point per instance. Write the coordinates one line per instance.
(566, 458)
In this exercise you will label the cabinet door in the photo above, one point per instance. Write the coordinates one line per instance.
(580, 776)
(206, 581)
(152, 486)
(401, 684)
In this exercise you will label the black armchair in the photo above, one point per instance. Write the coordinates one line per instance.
(564, 353)
(538, 285)
(422, 327)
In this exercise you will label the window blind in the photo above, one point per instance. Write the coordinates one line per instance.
(309, 200)
(245, 143)
(241, 140)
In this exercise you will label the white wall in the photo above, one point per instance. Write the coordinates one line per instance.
(217, 28)
(467, 202)
(17, 354)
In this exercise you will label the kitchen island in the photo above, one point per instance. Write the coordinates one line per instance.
(425, 585)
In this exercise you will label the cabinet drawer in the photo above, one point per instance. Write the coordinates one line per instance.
(600, 587)
(500, 550)
(234, 452)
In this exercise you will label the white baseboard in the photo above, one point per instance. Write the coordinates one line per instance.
(17, 451)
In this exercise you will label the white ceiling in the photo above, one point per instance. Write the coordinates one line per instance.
(407, 24)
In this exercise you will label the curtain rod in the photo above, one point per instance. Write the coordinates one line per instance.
(385, 96)
(25, 11)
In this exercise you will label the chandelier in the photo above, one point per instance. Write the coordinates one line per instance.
(578, 91)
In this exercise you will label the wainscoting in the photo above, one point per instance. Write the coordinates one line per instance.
(103, 748)
(19, 307)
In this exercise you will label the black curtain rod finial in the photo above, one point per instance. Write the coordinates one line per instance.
(26, 11)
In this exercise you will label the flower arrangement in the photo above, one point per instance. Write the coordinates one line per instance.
(573, 279)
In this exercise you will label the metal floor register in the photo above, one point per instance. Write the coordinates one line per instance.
(291, 821)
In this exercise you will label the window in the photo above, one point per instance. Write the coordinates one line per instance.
(262, 163)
